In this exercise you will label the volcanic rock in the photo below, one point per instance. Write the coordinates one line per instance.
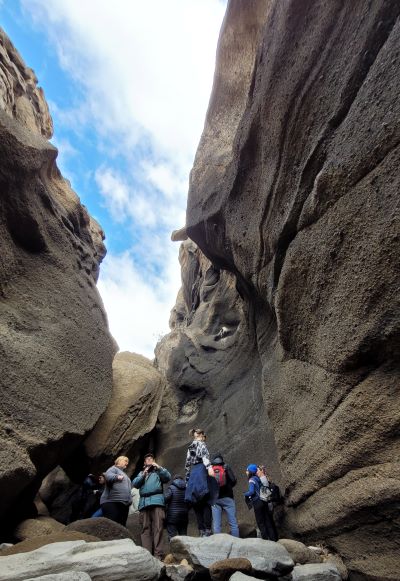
(102, 528)
(56, 351)
(223, 570)
(213, 374)
(298, 198)
(33, 527)
(112, 560)
(316, 572)
(42, 540)
(265, 557)
(75, 576)
(299, 552)
(131, 413)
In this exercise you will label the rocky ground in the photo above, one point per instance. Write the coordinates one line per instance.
(113, 556)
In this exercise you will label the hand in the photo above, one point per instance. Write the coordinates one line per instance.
(120, 477)
(156, 466)
(211, 471)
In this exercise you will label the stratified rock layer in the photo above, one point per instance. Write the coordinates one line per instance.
(214, 375)
(55, 349)
(299, 198)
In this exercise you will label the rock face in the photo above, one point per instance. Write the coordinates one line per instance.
(294, 190)
(111, 560)
(213, 372)
(56, 351)
(131, 414)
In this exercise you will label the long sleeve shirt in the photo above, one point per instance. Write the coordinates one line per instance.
(197, 453)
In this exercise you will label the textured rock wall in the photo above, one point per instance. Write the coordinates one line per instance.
(55, 349)
(125, 428)
(213, 374)
(298, 196)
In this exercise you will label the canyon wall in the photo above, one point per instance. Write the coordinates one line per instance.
(56, 351)
(294, 191)
(213, 374)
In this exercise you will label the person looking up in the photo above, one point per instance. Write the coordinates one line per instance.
(151, 504)
(199, 477)
(224, 503)
(261, 511)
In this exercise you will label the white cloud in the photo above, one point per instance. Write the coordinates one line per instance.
(144, 73)
(146, 67)
(138, 309)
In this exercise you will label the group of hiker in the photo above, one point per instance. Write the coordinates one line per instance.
(207, 488)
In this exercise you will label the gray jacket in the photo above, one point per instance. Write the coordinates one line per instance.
(116, 490)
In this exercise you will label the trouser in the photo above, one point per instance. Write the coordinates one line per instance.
(152, 521)
(202, 511)
(228, 505)
(116, 511)
(175, 529)
(265, 521)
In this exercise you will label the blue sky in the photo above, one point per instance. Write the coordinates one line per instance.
(128, 84)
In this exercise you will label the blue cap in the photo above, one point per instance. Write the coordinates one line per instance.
(252, 468)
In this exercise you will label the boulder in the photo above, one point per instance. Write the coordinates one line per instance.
(56, 373)
(102, 528)
(34, 527)
(131, 413)
(300, 553)
(316, 572)
(223, 570)
(60, 495)
(265, 557)
(41, 541)
(112, 560)
(178, 572)
(337, 561)
(241, 577)
(74, 576)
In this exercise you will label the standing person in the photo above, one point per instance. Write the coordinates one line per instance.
(177, 508)
(270, 494)
(199, 487)
(116, 496)
(151, 504)
(261, 510)
(226, 481)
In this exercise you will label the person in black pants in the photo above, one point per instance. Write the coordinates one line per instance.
(177, 508)
(116, 497)
(261, 510)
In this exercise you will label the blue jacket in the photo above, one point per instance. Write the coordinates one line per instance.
(151, 487)
(254, 488)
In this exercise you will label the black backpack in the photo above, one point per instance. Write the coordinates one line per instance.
(276, 496)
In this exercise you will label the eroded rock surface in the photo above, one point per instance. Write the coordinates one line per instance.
(213, 373)
(55, 349)
(131, 414)
(302, 206)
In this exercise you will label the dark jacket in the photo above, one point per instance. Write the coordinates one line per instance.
(227, 490)
(151, 487)
(177, 508)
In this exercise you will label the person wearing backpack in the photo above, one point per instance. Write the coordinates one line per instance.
(177, 508)
(226, 481)
(261, 510)
(269, 494)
